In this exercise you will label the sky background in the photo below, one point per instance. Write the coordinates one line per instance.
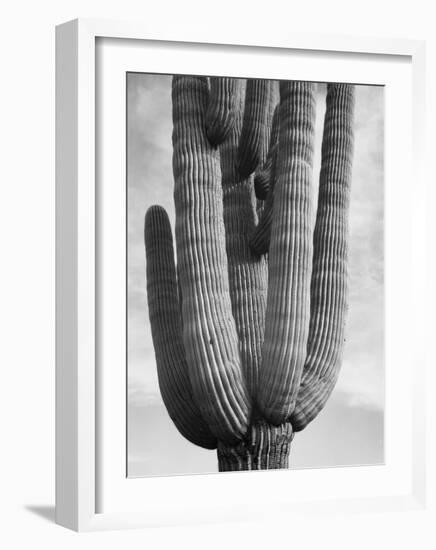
(350, 429)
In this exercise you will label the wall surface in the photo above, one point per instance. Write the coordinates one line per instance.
(27, 274)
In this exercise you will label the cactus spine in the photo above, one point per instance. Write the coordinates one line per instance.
(248, 344)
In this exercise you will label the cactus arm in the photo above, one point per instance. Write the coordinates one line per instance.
(262, 180)
(167, 333)
(329, 272)
(311, 400)
(255, 128)
(220, 113)
(209, 332)
(259, 242)
(247, 275)
(290, 255)
(264, 175)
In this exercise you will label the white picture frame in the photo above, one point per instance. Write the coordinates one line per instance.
(92, 496)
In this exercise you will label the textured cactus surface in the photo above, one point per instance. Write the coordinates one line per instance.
(248, 328)
(221, 109)
(255, 130)
(265, 175)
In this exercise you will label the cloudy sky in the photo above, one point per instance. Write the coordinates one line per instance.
(349, 431)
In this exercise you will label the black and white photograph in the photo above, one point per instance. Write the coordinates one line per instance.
(255, 321)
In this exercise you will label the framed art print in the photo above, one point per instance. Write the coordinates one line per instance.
(237, 246)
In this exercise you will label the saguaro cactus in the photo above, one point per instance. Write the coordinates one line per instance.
(248, 328)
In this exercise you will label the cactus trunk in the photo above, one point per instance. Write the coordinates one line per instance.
(265, 447)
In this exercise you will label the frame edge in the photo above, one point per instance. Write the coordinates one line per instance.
(67, 505)
(75, 437)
